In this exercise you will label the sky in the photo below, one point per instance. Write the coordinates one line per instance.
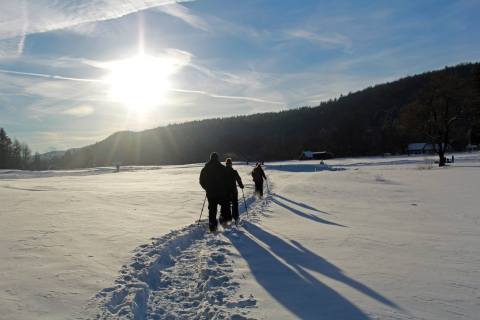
(73, 72)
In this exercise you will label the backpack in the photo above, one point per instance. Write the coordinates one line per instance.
(256, 174)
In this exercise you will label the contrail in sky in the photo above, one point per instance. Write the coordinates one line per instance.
(47, 76)
(199, 92)
(220, 96)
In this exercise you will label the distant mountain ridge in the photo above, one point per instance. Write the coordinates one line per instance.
(52, 154)
(366, 122)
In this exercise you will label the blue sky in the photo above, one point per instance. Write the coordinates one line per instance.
(232, 57)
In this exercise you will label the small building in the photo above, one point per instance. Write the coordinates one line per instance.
(471, 147)
(318, 155)
(420, 148)
(424, 148)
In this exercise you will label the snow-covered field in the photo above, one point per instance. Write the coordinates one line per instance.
(365, 238)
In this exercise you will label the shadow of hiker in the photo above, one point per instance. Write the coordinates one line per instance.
(303, 167)
(305, 215)
(286, 280)
(305, 297)
(464, 166)
(303, 205)
(321, 265)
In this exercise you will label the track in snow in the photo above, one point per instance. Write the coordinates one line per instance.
(186, 274)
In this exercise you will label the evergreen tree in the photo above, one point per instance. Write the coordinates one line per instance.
(14, 155)
(5, 149)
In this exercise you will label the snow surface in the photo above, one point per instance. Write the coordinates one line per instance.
(364, 238)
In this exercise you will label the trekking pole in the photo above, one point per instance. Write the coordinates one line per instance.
(268, 189)
(244, 202)
(203, 206)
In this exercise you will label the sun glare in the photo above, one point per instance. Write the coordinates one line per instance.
(140, 82)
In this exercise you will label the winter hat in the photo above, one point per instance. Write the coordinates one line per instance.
(228, 161)
(214, 156)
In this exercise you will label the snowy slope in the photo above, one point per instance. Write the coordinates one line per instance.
(370, 238)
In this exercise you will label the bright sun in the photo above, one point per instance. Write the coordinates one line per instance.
(140, 82)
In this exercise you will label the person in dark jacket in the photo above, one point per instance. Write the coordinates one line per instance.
(258, 176)
(213, 179)
(233, 178)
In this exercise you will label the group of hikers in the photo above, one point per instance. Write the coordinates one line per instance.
(220, 183)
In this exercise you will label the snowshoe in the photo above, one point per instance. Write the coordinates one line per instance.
(225, 224)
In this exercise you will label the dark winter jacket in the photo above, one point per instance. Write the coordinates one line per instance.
(258, 174)
(232, 179)
(213, 178)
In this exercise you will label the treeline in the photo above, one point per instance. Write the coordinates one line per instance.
(15, 154)
(378, 120)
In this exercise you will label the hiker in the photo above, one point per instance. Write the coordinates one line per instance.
(258, 175)
(213, 179)
(233, 178)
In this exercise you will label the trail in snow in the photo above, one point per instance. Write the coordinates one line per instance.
(186, 274)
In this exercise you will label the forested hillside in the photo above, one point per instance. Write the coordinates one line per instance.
(377, 120)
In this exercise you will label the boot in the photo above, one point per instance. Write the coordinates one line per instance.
(213, 227)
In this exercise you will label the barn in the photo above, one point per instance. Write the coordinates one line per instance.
(315, 155)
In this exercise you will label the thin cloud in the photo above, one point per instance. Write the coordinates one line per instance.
(11, 47)
(184, 14)
(179, 57)
(80, 111)
(325, 40)
(22, 17)
(219, 75)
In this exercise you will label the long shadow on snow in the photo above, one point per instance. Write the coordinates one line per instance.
(293, 287)
(305, 215)
(300, 204)
(465, 166)
(302, 167)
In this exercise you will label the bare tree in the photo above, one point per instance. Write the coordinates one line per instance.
(436, 110)
(26, 154)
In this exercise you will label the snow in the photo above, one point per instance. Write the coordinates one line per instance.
(357, 238)
(24, 174)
